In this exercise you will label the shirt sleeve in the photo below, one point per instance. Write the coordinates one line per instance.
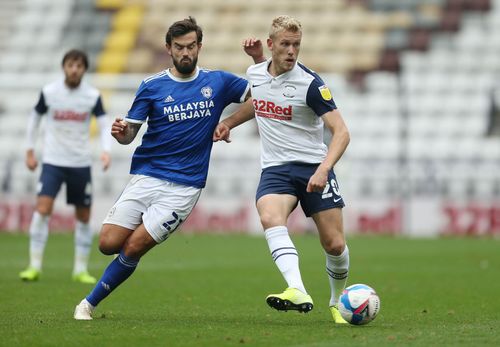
(98, 109)
(41, 106)
(319, 98)
(141, 106)
(32, 130)
(105, 132)
(236, 88)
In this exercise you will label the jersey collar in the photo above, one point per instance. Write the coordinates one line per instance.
(178, 79)
(283, 76)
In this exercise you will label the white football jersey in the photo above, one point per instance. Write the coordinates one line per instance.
(67, 127)
(288, 110)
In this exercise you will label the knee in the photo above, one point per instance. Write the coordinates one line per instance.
(44, 210)
(107, 248)
(268, 220)
(334, 246)
(83, 219)
(107, 244)
(82, 214)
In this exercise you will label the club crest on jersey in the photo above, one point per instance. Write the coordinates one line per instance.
(206, 92)
(325, 93)
(289, 91)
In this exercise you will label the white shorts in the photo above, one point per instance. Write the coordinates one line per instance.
(161, 205)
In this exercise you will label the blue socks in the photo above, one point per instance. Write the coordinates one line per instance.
(115, 274)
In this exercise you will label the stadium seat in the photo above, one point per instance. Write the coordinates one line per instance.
(382, 44)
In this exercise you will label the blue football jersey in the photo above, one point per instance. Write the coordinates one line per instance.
(181, 115)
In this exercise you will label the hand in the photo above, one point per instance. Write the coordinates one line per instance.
(119, 129)
(253, 47)
(221, 133)
(318, 180)
(105, 160)
(31, 161)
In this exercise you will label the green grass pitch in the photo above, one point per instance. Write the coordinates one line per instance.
(209, 290)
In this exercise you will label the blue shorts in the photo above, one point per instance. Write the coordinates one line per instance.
(292, 178)
(78, 183)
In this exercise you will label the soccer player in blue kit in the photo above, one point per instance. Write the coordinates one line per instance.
(182, 106)
(292, 105)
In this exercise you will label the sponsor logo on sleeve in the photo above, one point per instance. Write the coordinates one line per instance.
(325, 93)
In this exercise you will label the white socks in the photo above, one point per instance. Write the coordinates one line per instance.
(39, 231)
(285, 256)
(337, 268)
(83, 244)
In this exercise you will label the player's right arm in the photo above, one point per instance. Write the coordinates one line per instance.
(123, 131)
(253, 47)
(32, 130)
(33, 123)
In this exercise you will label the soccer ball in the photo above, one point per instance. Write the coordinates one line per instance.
(359, 304)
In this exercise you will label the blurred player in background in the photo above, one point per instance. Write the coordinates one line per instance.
(68, 105)
(182, 106)
(292, 105)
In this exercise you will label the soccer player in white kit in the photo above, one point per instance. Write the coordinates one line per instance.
(182, 106)
(292, 106)
(68, 104)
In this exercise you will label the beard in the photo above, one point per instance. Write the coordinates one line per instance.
(73, 82)
(185, 68)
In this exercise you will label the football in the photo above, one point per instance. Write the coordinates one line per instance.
(359, 304)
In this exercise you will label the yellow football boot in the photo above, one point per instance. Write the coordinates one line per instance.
(337, 317)
(30, 275)
(290, 299)
(84, 277)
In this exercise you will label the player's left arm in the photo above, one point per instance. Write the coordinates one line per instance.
(104, 131)
(243, 114)
(340, 139)
(254, 48)
(124, 131)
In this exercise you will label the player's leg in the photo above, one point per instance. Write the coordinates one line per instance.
(122, 219)
(136, 245)
(276, 199)
(330, 229)
(112, 238)
(152, 201)
(326, 210)
(48, 186)
(274, 210)
(39, 232)
(79, 193)
(83, 246)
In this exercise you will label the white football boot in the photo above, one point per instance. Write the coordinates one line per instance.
(83, 310)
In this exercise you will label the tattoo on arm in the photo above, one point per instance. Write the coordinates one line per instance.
(132, 130)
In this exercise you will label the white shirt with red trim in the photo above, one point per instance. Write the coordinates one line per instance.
(67, 128)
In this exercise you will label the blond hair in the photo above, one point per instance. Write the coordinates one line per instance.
(284, 23)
